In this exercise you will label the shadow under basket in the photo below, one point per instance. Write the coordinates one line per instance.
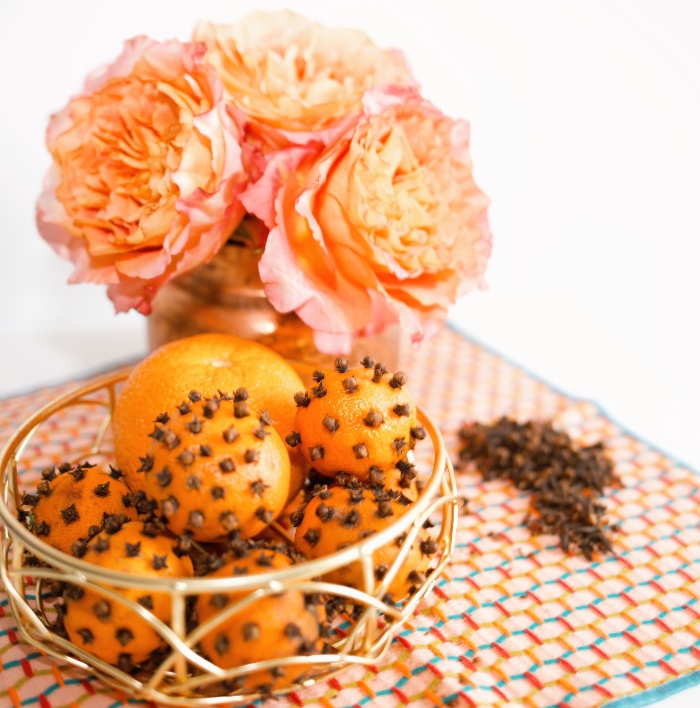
(362, 628)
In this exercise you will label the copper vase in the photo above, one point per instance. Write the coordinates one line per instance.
(226, 295)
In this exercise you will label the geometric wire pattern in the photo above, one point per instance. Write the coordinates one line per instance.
(513, 621)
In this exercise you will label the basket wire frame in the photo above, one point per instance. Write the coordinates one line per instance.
(183, 676)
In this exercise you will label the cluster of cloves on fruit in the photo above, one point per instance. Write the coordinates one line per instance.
(566, 479)
(357, 421)
(89, 512)
(288, 624)
(109, 629)
(212, 476)
(72, 504)
(216, 466)
(355, 427)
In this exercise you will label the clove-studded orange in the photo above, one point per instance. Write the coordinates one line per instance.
(355, 420)
(272, 627)
(340, 516)
(104, 626)
(215, 465)
(208, 363)
(73, 503)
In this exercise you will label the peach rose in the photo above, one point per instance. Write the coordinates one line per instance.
(385, 223)
(284, 71)
(146, 172)
(292, 82)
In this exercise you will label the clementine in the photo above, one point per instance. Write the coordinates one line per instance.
(271, 627)
(72, 506)
(355, 420)
(217, 466)
(110, 630)
(338, 517)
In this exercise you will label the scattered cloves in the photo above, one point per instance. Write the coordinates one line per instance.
(566, 479)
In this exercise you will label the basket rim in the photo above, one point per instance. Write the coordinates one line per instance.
(189, 584)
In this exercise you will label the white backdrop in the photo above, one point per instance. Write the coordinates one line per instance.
(585, 133)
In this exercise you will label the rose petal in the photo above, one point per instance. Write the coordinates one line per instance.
(333, 343)
(288, 288)
(259, 197)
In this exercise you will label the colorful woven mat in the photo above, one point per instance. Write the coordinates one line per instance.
(514, 621)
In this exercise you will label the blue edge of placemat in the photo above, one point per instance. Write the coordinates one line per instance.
(636, 700)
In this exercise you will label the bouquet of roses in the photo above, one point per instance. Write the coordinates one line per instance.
(361, 191)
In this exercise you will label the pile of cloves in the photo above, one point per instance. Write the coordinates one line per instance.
(567, 480)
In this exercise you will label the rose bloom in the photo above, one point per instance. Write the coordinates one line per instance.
(386, 223)
(282, 70)
(146, 172)
(289, 82)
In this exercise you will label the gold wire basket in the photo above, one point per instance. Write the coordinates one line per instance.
(361, 635)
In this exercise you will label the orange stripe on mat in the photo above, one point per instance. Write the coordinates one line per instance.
(436, 650)
(403, 669)
(57, 675)
(363, 685)
(432, 697)
(14, 697)
(567, 685)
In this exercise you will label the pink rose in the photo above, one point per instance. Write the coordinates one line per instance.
(386, 223)
(146, 172)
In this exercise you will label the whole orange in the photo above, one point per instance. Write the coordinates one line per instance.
(206, 363)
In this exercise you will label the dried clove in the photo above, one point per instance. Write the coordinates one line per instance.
(566, 479)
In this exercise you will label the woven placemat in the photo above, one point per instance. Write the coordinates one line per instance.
(514, 621)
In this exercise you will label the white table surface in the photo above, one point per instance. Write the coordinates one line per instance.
(585, 133)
